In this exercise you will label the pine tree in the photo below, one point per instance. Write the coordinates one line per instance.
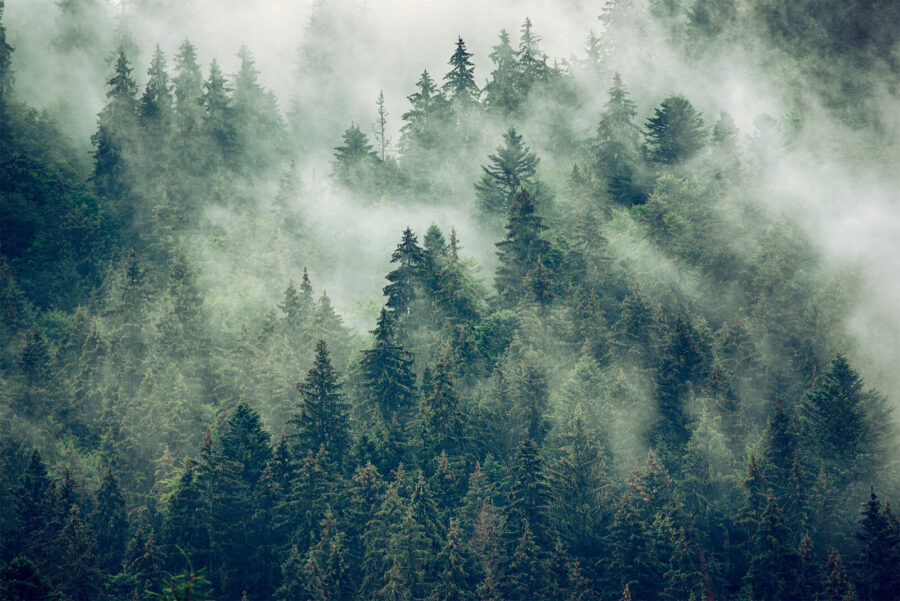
(114, 139)
(500, 93)
(511, 169)
(218, 117)
(844, 426)
(675, 133)
(386, 371)
(420, 130)
(401, 291)
(520, 249)
(527, 579)
(878, 566)
(35, 508)
(354, 161)
(157, 103)
(322, 420)
(532, 63)
(459, 82)
(773, 570)
(110, 522)
(440, 414)
(618, 146)
(454, 582)
(530, 494)
(259, 130)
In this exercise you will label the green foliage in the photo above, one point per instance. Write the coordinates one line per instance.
(512, 168)
(675, 133)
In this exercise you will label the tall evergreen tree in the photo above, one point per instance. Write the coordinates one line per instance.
(675, 133)
(520, 249)
(500, 93)
(401, 291)
(459, 83)
(511, 169)
(387, 372)
(845, 426)
(355, 160)
(322, 419)
(618, 146)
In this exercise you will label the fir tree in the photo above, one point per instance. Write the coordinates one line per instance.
(401, 291)
(322, 420)
(675, 133)
(459, 82)
(520, 249)
(386, 370)
(355, 160)
(500, 93)
(618, 146)
(511, 169)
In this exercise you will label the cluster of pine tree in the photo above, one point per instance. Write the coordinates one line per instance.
(583, 426)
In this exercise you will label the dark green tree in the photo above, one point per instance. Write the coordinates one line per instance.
(520, 249)
(110, 522)
(530, 495)
(844, 426)
(386, 370)
(322, 419)
(675, 133)
(459, 83)
(878, 566)
(114, 140)
(511, 169)
(422, 123)
(20, 580)
(774, 565)
(401, 291)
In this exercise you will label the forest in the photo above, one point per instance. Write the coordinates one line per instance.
(444, 317)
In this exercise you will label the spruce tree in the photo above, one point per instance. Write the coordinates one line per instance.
(618, 146)
(675, 133)
(401, 291)
(355, 160)
(459, 82)
(511, 169)
(386, 370)
(322, 419)
(844, 426)
(520, 249)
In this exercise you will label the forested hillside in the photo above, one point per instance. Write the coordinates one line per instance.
(632, 337)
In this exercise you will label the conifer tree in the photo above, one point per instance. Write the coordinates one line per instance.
(110, 522)
(675, 133)
(459, 82)
(844, 426)
(618, 146)
(218, 117)
(387, 374)
(528, 578)
(532, 63)
(114, 139)
(500, 93)
(878, 566)
(157, 103)
(774, 564)
(454, 582)
(520, 249)
(401, 291)
(354, 161)
(530, 494)
(511, 169)
(422, 122)
(322, 419)
(20, 580)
